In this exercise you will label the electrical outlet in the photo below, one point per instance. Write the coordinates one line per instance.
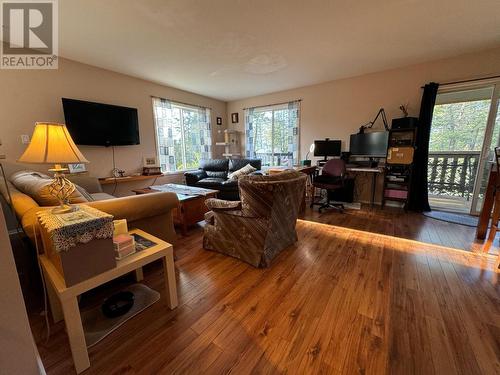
(25, 139)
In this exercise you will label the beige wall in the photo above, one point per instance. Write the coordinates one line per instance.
(336, 109)
(27, 96)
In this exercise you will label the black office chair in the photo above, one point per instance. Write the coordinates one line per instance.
(332, 178)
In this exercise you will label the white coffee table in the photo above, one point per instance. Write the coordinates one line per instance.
(64, 300)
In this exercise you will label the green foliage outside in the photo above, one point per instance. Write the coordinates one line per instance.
(459, 126)
(269, 139)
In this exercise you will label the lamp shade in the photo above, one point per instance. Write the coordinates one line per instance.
(51, 143)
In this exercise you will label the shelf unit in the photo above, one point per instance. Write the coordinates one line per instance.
(399, 165)
(231, 144)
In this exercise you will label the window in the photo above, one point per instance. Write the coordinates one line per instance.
(272, 133)
(182, 134)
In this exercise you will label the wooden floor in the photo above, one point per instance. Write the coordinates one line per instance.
(340, 301)
(410, 225)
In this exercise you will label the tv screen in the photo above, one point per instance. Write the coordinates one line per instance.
(372, 144)
(99, 124)
(327, 147)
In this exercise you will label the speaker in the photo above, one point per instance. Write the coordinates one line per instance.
(404, 123)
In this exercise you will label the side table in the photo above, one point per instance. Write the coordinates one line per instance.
(64, 300)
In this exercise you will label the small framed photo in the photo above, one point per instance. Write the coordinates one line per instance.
(234, 117)
(150, 161)
(219, 120)
(77, 168)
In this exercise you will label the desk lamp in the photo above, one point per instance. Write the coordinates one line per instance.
(51, 143)
(307, 162)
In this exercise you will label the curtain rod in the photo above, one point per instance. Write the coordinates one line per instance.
(268, 105)
(179, 102)
(467, 80)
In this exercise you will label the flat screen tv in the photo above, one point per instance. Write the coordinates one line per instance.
(373, 144)
(99, 124)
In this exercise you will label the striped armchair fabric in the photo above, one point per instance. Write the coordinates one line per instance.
(259, 227)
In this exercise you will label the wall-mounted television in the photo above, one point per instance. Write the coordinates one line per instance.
(372, 144)
(98, 124)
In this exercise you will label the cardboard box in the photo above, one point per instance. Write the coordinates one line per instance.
(83, 261)
(400, 155)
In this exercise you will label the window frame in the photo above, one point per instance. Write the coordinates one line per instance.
(181, 106)
(274, 108)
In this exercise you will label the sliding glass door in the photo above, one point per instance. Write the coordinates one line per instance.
(465, 130)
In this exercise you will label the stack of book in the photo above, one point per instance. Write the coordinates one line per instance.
(124, 245)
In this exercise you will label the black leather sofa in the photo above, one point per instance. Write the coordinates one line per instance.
(212, 174)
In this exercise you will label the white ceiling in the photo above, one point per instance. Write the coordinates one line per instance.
(232, 49)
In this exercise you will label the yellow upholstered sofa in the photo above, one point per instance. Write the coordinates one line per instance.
(149, 212)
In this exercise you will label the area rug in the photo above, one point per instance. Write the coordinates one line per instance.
(96, 326)
(450, 217)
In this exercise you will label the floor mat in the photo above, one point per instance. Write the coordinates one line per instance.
(96, 326)
(450, 217)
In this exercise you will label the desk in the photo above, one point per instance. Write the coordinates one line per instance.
(374, 171)
(64, 298)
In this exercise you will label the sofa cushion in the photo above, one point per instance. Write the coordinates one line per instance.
(235, 164)
(101, 196)
(247, 169)
(84, 193)
(230, 184)
(210, 182)
(216, 168)
(215, 165)
(36, 185)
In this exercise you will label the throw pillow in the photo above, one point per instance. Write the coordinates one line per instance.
(247, 169)
(36, 185)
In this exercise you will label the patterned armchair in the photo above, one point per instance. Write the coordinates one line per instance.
(257, 228)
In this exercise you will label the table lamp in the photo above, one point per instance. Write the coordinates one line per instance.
(51, 143)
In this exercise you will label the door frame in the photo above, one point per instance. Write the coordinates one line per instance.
(488, 132)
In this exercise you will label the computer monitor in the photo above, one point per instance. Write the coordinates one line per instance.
(327, 147)
(373, 144)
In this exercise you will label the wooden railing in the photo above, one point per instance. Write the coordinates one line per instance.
(452, 173)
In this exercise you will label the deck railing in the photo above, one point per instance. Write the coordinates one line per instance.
(452, 173)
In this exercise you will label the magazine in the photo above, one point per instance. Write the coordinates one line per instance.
(142, 243)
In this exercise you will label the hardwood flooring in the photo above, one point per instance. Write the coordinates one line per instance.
(410, 225)
(340, 301)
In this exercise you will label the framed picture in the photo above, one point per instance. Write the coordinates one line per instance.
(234, 117)
(77, 168)
(150, 161)
(219, 120)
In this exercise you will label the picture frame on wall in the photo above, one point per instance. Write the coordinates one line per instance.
(219, 120)
(77, 168)
(234, 117)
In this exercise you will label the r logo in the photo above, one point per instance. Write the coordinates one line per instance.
(29, 34)
(27, 27)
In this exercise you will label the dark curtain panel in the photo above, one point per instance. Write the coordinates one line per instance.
(419, 196)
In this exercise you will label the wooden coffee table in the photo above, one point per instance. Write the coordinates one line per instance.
(191, 208)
